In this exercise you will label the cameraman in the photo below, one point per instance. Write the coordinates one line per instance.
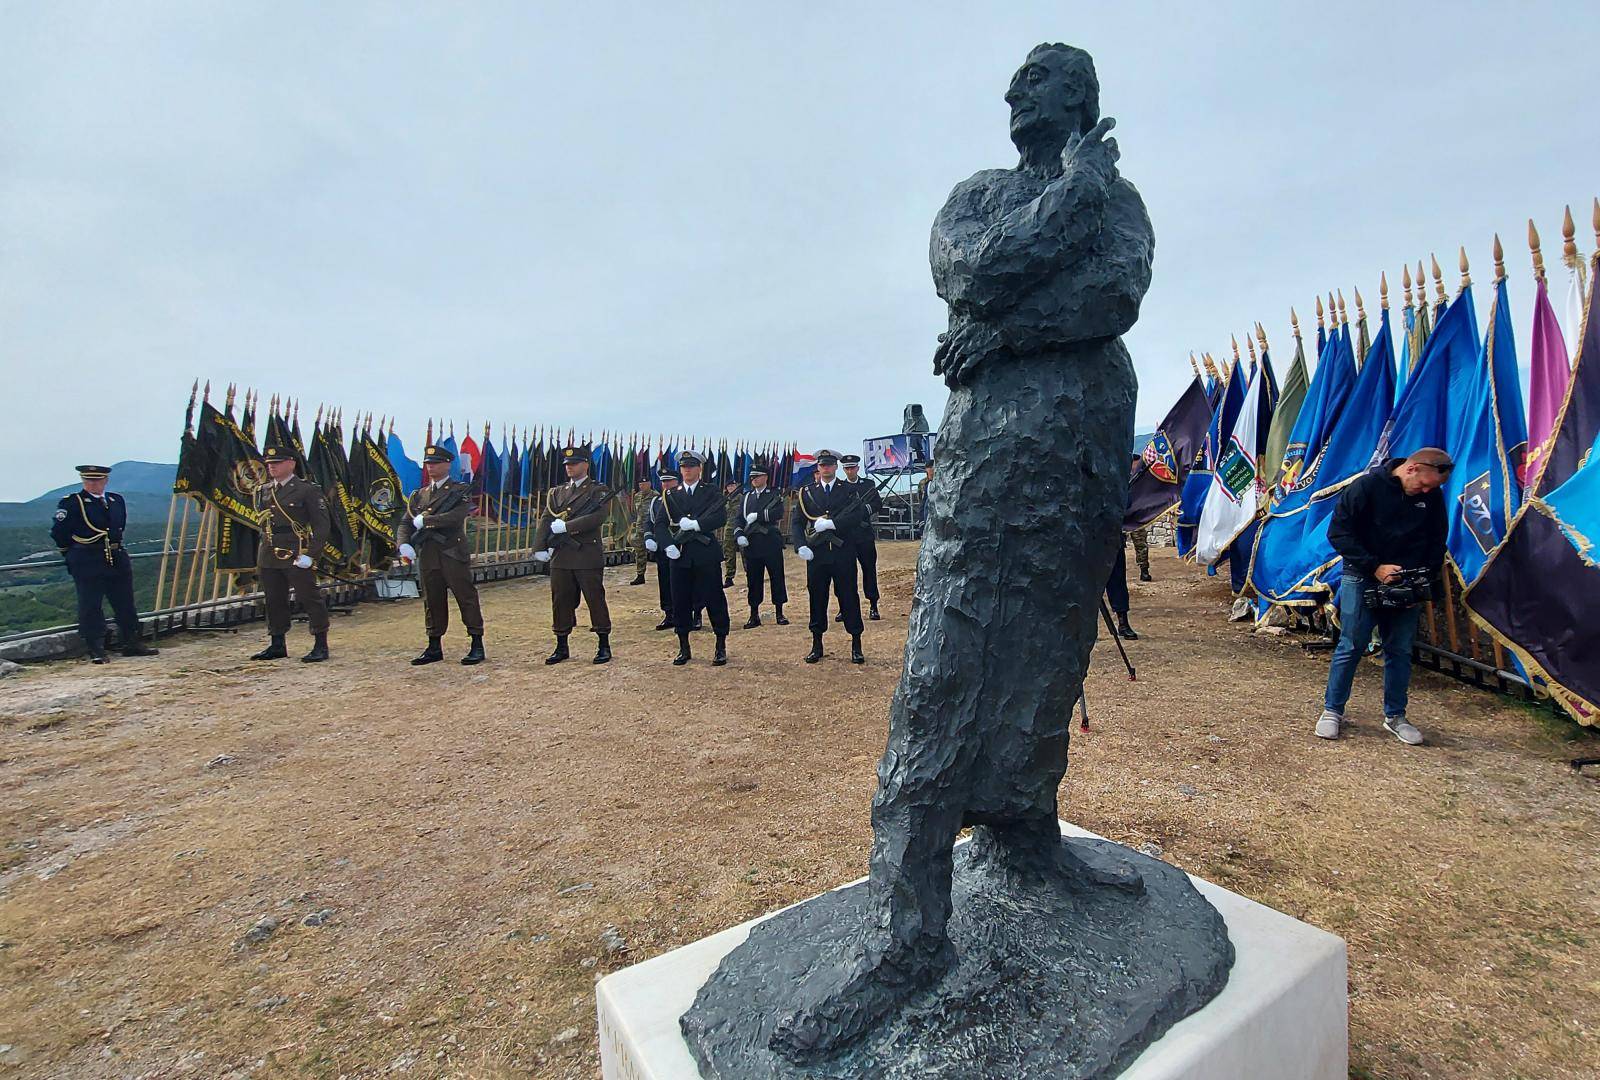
(1390, 528)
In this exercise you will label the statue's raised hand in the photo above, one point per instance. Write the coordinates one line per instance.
(1093, 153)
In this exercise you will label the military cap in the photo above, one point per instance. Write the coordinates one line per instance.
(689, 457)
(668, 474)
(438, 455)
(274, 452)
(827, 457)
(759, 468)
(94, 472)
(576, 453)
(849, 459)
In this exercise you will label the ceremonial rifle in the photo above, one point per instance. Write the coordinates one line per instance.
(594, 507)
(850, 507)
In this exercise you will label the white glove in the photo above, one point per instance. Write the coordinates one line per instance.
(804, 552)
(688, 524)
(742, 541)
(749, 519)
(303, 562)
(541, 556)
(823, 525)
(416, 522)
(649, 544)
(672, 551)
(558, 526)
(408, 553)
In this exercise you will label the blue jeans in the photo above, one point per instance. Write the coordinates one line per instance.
(1356, 622)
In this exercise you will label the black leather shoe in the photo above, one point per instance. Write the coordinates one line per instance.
(665, 623)
(475, 655)
(755, 620)
(873, 615)
(816, 649)
(319, 651)
(602, 655)
(97, 655)
(431, 655)
(779, 619)
(139, 648)
(720, 656)
(274, 651)
(560, 653)
(856, 655)
(1124, 630)
(839, 617)
(683, 651)
(728, 584)
(699, 623)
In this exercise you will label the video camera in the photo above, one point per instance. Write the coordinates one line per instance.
(1408, 589)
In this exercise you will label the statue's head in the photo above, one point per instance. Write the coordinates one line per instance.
(1054, 95)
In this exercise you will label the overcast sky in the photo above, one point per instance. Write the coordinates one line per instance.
(708, 218)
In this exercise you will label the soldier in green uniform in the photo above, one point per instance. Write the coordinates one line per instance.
(568, 538)
(433, 535)
(294, 527)
(730, 547)
(88, 531)
(1141, 551)
(642, 498)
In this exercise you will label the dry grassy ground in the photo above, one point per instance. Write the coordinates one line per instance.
(473, 835)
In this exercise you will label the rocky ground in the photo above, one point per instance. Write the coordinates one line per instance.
(214, 868)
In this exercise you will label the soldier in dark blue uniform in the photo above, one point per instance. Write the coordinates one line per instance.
(758, 529)
(687, 532)
(830, 514)
(88, 529)
(865, 536)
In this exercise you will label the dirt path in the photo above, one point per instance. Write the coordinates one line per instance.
(480, 844)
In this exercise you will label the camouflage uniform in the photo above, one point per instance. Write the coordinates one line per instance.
(1141, 551)
(641, 512)
(730, 545)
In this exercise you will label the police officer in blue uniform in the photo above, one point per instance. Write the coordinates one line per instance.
(88, 530)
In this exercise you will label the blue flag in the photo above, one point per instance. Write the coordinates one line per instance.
(1198, 482)
(409, 472)
(492, 472)
(1294, 563)
(449, 443)
(1424, 415)
(1325, 401)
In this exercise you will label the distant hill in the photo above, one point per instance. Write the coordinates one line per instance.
(145, 485)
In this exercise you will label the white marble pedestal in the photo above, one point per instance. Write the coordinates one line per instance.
(1283, 1015)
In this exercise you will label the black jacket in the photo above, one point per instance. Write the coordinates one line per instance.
(815, 502)
(865, 535)
(766, 532)
(88, 531)
(707, 507)
(1376, 522)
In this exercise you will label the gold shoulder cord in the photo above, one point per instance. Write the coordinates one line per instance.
(808, 514)
(666, 504)
(301, 533)
(99, 534)
(550, 505)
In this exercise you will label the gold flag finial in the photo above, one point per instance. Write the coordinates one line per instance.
(1361, 309)
(1383, 290)
(1250, 344)
(1261, 335)
(1333, 313)
(1438, 279)
(1466, 275)
(1499, 260)
(1405, 280)
(1235, 339)
(1533, 246)
(1319, 311)
(1344, 312)
(1569, 243)
(1196, 366)
(1294, 321)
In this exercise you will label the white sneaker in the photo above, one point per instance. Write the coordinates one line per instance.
(1402, 729)
(1328, 724)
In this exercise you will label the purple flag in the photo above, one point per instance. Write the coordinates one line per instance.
(1547, 386)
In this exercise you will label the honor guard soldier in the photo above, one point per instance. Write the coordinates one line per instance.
(643, 499)
(758, 531)
(568, 538)
(686, 530)
(294, 527)
(433, 535)
(830, 513)
(88, 529)
(669, 482)
(865, 537)
(730, 549)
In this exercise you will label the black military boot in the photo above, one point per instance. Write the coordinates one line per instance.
(560, 652)
(683, 650)
(816, 649)
(755, 619)
(1144, 575)
(431, 655)
(720, 656)
(319, 650)
(665, 623)
(475, 655)
(727, 583)
(97, 653)
(779, 619)
(602, 655)
(1123, 629)
(274, 651)
(698, 623)
(838, 616)
(638, 579)
(873, 615)
(856, 655)
(138, 648)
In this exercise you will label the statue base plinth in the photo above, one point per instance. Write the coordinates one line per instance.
(1282, 1013)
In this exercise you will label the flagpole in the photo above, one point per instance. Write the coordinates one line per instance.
(177, 564)
(201, 541)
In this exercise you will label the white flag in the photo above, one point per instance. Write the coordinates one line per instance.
(1235, 489)
(1572, 317)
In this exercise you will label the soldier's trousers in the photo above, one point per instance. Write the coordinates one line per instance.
(730, 554)
(838, 574)
(640, 555)
(663, 581)
(438, 582)
(1117, 583)
(98, 583)
(566, 586)
(1141, 548)
(867, 556)
(276, 581)
(697, 586)
(761, 569)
